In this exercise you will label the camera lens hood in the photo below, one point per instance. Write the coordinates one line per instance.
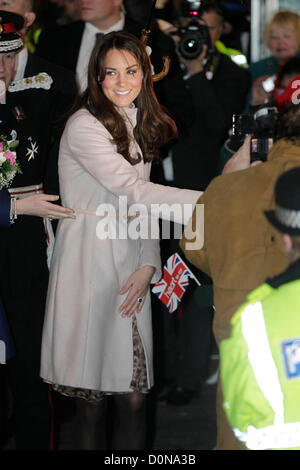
(190, 46)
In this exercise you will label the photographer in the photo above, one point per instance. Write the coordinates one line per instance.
(240, 248)
(286, 88)
(218, 88)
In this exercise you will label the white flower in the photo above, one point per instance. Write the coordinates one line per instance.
(2, 158)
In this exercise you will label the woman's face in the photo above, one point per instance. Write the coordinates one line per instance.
(283, 43)
(123, 77)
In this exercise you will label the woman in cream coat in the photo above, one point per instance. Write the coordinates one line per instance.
(97, 334)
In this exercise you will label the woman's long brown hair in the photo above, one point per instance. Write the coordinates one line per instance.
(154, 126)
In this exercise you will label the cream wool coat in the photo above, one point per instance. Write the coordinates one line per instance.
(86, 343)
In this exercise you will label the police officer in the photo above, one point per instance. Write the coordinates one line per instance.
(260, 362)
(34, 108)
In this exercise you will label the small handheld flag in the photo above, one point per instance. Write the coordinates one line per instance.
(172, 286)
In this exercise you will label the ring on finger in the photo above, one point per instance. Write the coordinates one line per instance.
(50, 217)
(140, 300)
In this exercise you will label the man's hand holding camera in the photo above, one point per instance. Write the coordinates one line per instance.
(195, 37)
(241, 159)
(194, 66)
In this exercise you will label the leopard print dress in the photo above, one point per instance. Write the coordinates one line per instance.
(138, 380)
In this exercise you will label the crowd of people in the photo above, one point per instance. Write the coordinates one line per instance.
(100, 117)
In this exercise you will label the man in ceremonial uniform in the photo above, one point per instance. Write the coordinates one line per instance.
(29, 64)
(23, 246)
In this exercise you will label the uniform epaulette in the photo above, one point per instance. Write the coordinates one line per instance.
(42, 80)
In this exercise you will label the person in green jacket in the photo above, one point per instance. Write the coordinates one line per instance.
(260, 362)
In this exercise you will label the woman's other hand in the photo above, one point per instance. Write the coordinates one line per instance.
(137, 287)
(42, 205)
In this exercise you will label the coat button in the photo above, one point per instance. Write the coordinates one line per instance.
(273, 238)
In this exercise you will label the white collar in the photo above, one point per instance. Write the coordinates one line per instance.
(86, 47)
(90, 28)
(21, 62)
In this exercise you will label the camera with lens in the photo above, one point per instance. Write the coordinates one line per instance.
(263, 127)
(194, 35)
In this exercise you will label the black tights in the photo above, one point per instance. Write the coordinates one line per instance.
(128, 427)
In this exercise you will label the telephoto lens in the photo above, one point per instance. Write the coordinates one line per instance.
(192, 38)
(191, 45)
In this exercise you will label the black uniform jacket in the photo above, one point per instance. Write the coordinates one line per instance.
(39, 120)
(63, 79)
(37, 117)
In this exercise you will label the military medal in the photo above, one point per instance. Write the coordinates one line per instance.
(32, 150)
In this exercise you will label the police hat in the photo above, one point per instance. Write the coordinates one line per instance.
(286, 216)
(10, 23)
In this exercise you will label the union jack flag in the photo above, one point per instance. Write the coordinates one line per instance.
(172, 286)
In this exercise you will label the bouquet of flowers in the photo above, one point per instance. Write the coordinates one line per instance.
(8, 162)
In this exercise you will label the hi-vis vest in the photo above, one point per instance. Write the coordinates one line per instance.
(260, 369)
(237, 56)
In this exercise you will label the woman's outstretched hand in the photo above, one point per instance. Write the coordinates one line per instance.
(42, 205)
(137, 288)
